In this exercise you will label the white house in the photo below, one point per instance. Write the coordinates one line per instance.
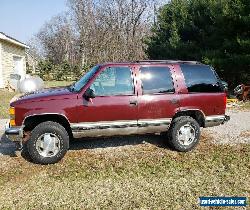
(12, 58)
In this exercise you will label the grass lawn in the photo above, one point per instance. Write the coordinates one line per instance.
(240, 106)
(6, 96)
(247, 105)
(140, 176)
(57, 83)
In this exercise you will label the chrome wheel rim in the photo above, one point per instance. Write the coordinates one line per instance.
(186, 135)
(48, 145)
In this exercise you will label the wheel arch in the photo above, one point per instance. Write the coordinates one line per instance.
(31, 121)
(197, 114)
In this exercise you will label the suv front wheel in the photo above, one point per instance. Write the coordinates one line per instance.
(184, 133)
(48, 143)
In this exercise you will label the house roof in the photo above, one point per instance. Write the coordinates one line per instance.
(12, 40)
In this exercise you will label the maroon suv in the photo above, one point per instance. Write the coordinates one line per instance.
(121, 99)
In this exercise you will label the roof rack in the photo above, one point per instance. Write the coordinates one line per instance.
(167, 61)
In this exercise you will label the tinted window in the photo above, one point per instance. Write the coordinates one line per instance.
(200, 78)
(156, 80)
(113, 81)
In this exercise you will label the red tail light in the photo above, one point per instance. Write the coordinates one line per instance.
(225, 101)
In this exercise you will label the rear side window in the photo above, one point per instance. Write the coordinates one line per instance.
(156, 79)
(200, 78)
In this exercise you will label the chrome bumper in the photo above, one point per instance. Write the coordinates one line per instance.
(13, 133)
(215, 120)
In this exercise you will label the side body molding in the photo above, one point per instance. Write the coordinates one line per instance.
(121, 127)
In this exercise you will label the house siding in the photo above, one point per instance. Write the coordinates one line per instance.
(1, 68)
(10, 50)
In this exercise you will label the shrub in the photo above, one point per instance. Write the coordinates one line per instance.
(64, 71)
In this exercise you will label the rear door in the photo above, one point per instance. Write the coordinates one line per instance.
(158, 101)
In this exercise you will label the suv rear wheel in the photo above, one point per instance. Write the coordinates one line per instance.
(184, 133)
(48, 143)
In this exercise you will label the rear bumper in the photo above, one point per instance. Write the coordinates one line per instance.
(216, 120)
(13, 133)
(227, 118)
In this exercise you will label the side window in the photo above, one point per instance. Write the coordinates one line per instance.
(200, 78)
(156, 80)
(113, 81)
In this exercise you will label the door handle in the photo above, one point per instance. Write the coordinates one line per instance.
(174, 101)
(134, 103)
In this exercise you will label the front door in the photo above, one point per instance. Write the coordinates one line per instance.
(114, 109)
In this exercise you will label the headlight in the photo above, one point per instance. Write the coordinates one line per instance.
(12, 116)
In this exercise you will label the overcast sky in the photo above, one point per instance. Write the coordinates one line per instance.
(23, 18)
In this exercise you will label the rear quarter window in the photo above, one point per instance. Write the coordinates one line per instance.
(201, 79)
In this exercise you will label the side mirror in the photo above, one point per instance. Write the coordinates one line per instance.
(89, 93)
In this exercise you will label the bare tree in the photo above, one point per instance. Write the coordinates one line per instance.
(97, 31)
(58, 40)
(110, 30)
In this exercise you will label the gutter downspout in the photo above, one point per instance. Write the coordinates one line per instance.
(1, 68)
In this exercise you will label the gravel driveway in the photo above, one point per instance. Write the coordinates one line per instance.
(236, 131)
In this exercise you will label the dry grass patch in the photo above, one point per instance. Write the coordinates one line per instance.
(143, 176)
(57, 83)
(245, 134)
(246, 105)
(5, 97)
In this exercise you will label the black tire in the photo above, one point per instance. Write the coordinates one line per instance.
(55, 129)
(25, 153)
(174, 130)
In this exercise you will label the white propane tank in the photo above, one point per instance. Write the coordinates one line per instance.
(31, 84)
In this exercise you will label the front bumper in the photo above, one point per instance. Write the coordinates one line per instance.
(14, 133)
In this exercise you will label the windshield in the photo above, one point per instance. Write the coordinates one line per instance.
(77, 86)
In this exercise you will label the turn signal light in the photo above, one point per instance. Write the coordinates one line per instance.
(12, 111)
(12, 116)
(12, 123)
